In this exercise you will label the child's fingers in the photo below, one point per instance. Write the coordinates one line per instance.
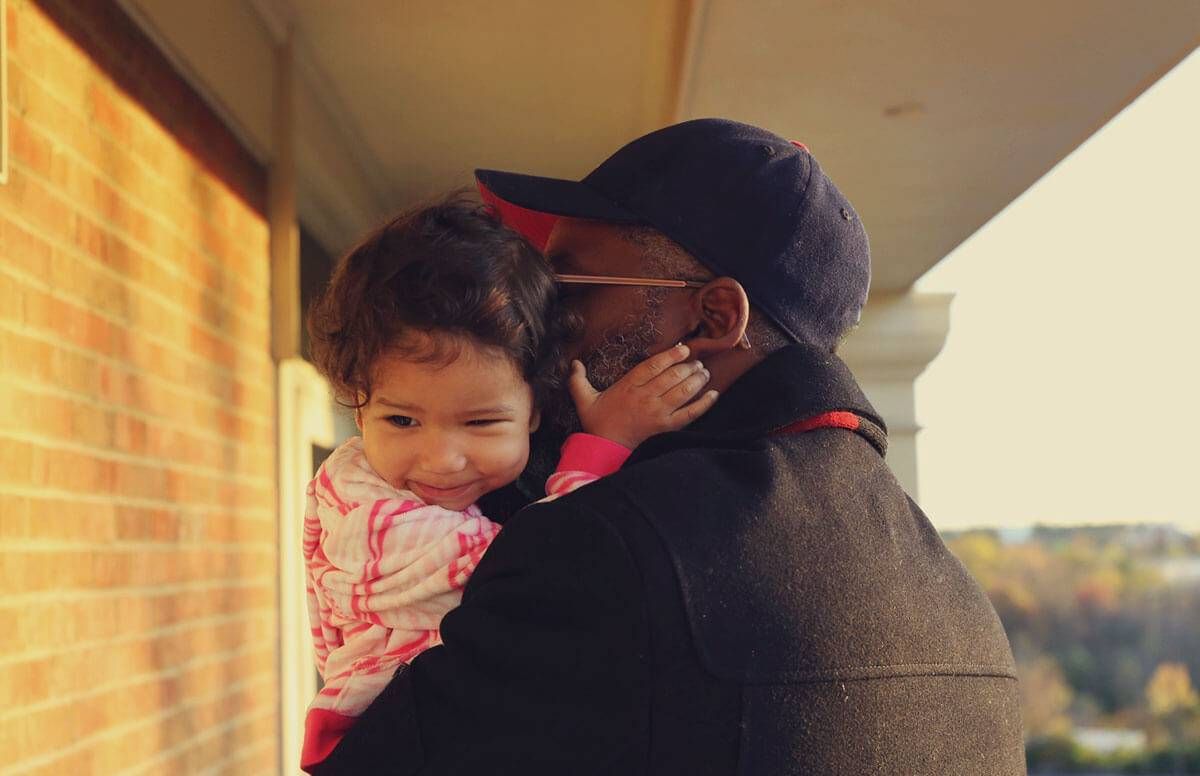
(684, 390)
(673, 376)
(580, 388)
(655, 365)
(689, 412)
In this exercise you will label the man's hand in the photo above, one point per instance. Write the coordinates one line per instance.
(655, 396)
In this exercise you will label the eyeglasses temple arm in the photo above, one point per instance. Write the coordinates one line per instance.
(611, 280)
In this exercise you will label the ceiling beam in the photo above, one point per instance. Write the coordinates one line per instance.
(226, 50)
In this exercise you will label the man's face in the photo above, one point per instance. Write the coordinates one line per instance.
(622, 325)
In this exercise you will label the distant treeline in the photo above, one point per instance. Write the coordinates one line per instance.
(1105, 626)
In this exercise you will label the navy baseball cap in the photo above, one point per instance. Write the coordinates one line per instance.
(746, 203)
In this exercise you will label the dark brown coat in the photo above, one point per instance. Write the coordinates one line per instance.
(733, 601)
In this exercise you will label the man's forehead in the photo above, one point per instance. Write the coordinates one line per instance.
(583, 240)
(574, 230)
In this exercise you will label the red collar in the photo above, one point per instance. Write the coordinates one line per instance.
(836, 419)
(850, 421)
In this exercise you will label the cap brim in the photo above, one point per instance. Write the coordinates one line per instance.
(532, 205)
(552, 195)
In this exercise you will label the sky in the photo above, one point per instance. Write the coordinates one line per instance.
(1068, 390)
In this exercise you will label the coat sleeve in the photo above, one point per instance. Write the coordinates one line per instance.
(543, 668)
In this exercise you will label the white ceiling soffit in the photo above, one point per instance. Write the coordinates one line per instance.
(932, 116)
(437, 89)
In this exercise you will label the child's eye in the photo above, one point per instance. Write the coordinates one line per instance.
(401, 421)
(485, 422)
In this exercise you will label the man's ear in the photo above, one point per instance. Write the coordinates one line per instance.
(721, 311)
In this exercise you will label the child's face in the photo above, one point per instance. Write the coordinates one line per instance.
(448, 432)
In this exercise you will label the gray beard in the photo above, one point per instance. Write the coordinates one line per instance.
(621, 349)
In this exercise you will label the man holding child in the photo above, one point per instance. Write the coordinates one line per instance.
(751, 594)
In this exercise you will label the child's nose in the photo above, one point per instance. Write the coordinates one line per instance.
(443, 455)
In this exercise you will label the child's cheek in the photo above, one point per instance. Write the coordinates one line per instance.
(509, 455)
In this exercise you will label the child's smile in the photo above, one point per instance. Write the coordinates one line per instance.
(448, 432)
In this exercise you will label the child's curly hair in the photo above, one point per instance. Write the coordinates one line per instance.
(446, 268)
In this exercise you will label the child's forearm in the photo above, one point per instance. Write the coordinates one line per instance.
(585, 458)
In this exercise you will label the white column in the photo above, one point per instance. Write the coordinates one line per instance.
(899, 336)
(301, 414)
(305, 419)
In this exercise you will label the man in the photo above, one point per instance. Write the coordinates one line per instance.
(752, 595)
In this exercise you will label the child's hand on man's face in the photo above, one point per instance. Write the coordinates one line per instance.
(652, 398)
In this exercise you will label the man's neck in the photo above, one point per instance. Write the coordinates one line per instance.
(726, 367)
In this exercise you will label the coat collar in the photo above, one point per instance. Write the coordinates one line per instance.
(791, 385)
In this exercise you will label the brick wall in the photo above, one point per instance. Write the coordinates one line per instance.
(138, 588)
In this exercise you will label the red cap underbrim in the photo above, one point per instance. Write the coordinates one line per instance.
(534, 226)
(532, 205)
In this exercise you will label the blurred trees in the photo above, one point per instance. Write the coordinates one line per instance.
(1105, 626)
(1045, 698)
(1173, 705)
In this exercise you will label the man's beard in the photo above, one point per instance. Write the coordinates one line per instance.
(621, 349)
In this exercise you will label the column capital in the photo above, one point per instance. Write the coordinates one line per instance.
(899, 336)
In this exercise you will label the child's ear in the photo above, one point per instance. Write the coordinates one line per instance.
(358, 418)
(535, 420)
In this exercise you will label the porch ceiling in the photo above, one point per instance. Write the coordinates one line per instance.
(931, 116)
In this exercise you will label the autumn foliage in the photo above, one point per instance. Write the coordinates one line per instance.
(1105, 626)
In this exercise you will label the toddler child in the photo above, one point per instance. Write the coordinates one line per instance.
(443, 332)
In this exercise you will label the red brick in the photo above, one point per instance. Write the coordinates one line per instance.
(19, 248)
(12, 24)
(98, 568)
(157, 238)
(35, 204)
(54, 677)
(85, 328)
(244, 747)
(14, 518)
(122, 614)
(136, 450)
(27, 147)
(91, 718)
(178, 404)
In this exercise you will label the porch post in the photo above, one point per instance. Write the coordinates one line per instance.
(899, 336)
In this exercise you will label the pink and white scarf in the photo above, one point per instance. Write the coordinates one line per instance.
(384, 567)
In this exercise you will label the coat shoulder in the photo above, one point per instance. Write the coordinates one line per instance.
(801, 559)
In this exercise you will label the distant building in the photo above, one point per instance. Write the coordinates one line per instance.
(1179, 571)
(1109, 740)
